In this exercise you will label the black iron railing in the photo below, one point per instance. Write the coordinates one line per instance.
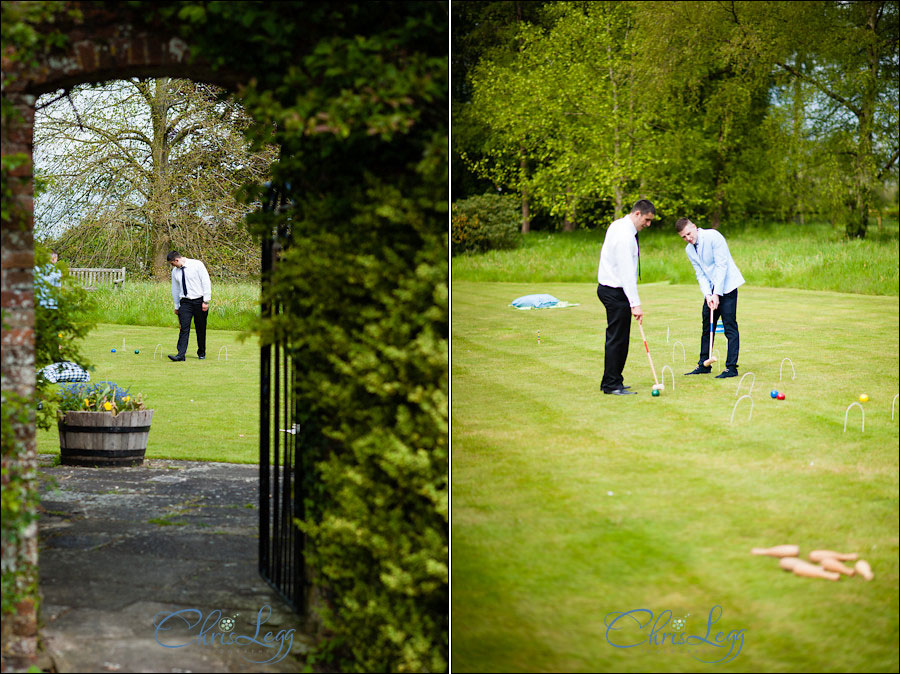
(281, 561)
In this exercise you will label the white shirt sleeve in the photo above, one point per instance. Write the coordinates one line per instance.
(205, 282)
(618, 260)
(176, 287)
(628, 269)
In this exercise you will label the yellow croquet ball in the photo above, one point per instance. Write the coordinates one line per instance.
(863, 398)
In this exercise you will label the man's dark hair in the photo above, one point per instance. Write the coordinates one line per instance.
(644, 206)
(681, 223)
(172, 255)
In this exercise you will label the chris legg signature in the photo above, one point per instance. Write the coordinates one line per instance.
(631, 621)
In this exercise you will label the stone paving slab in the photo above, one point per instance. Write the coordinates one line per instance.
(124, 550)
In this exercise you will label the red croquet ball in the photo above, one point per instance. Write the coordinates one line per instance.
(780, 396)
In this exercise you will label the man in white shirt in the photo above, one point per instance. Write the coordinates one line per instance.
(719, 279)
(617, 288)
(191, 291)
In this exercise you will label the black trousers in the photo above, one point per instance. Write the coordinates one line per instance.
(618, 332)
(188, 309)
(728, 311)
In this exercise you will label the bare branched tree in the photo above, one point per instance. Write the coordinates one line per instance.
(131, 169)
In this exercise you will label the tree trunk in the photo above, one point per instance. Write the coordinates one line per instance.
(526, 216)
(865, 173)
(569, 222)
(161, 208)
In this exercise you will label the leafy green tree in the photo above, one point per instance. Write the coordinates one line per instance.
(714, 150)
(835, 67)
(485, 31)
(569, 103)
(132, 169)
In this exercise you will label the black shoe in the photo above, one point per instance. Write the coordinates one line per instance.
(621, 392)
(724, 374)
(699, 370)
(175, 358)
(202, 357)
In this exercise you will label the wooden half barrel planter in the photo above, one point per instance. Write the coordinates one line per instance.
(103, 439)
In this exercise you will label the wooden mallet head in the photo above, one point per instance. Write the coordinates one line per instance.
(712, 328)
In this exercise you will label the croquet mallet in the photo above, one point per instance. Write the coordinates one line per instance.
(656, 386)
(712, 329)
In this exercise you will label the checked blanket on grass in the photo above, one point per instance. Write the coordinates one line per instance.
(64, 371)
(540, 301)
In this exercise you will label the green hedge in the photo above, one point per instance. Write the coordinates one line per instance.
(485, 222)
(361, 118)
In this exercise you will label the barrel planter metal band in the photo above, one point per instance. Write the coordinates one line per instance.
(103, 429)
(101, 439)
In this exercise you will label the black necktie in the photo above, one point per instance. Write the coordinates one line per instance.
(183, 284)
(638, 243)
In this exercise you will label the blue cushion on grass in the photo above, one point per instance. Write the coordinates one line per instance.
(540, 301)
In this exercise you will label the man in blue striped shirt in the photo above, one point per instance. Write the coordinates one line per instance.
(719, 279)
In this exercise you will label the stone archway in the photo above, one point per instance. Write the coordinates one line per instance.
(103, 44)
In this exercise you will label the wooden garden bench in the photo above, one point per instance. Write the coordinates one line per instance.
(91, 276)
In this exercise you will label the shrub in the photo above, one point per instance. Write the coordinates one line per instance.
(485, 222)
(61, 321)
(361, 283)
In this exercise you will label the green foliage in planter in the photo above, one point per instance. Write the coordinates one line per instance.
(486, 222)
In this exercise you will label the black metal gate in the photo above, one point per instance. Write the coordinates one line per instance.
(281, 561)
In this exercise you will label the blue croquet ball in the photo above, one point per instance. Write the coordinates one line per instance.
(655, 393)
(136, 351)
(774, 393)
(112, 350)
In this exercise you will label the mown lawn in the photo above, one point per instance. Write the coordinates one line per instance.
(203, 410)
(569, 506)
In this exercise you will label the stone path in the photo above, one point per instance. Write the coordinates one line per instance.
(122, 548)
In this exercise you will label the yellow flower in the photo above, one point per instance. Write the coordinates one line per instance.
(107, 406)
(87, 402)
(126, 399)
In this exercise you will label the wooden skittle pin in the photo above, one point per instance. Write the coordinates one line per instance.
(819, 555)
(831, 564)
(863, 569)
(808, 570)
(778, 551)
